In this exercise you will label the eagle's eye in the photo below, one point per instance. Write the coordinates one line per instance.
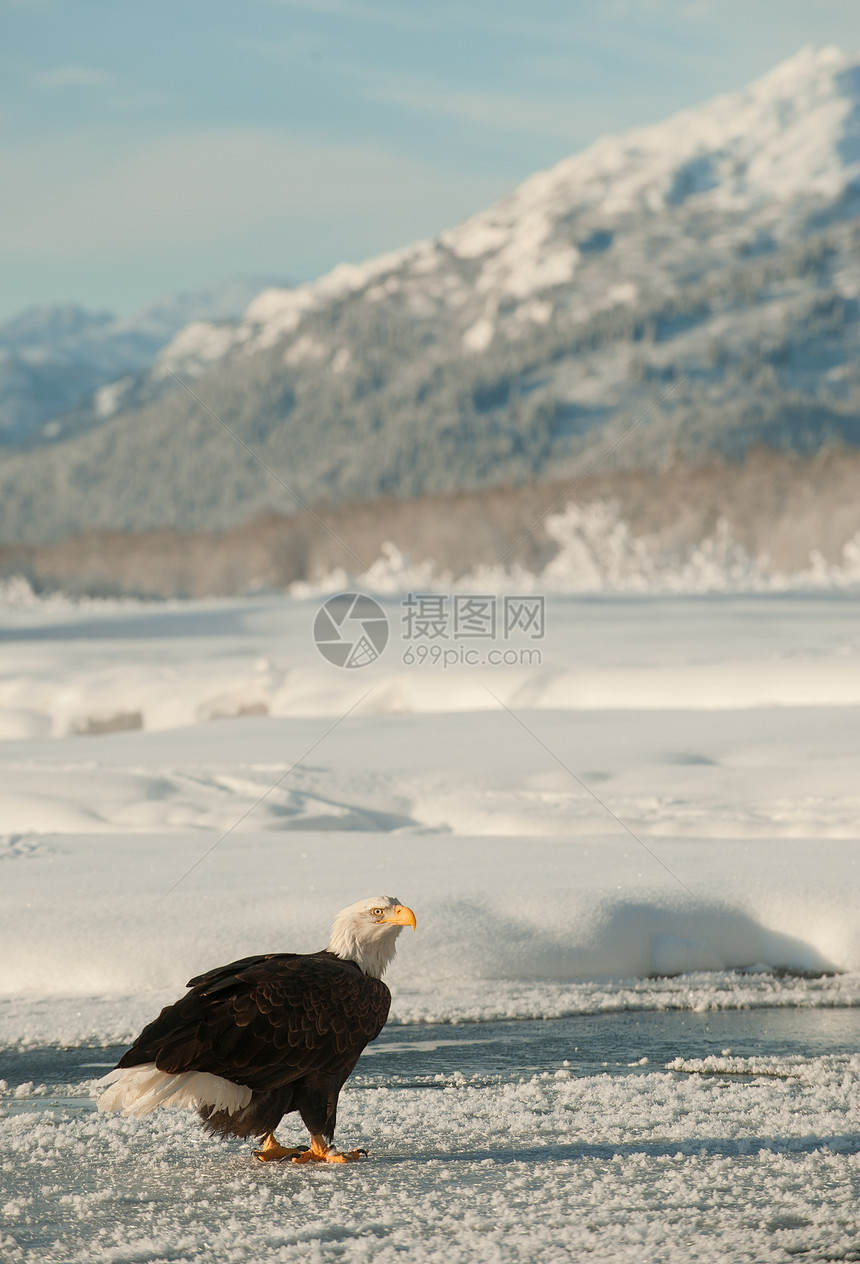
(376, 912)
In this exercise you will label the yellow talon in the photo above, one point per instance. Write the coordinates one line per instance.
(273, 1152)
(321, 1153)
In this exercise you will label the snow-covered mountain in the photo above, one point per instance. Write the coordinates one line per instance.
(695, 283)
(55, 359)
(759, 158)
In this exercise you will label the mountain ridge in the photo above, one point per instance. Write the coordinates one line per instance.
(692, 285)
(55, 359)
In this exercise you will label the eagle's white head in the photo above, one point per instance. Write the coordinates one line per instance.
(367, 931)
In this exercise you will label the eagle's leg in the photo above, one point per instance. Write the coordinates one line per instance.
(320, 1152)
(273, 1152)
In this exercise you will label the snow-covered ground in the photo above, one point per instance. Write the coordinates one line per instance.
(649, 836)
(600, 1138)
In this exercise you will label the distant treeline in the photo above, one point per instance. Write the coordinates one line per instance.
(782, 508)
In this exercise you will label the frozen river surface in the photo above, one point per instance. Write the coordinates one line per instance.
(631, 1136)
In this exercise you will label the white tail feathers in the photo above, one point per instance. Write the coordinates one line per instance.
(142, 1089)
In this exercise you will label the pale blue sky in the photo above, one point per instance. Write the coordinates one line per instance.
(158, 146)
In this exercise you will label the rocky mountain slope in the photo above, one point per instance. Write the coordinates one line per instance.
(679, 290)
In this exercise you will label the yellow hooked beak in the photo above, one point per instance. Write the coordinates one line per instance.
(402, 916)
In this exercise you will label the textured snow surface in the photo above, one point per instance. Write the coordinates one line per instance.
(627, 1026)
(584, 1139)
(672, 791)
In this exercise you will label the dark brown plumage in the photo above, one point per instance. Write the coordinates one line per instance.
(262, 1037)
(289, 1026)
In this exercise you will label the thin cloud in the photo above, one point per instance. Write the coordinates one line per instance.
(91, 196)
(359, 12)
(74, 77)
(495, 111)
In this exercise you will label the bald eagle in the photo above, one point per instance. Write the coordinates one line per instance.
(265, 1036)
